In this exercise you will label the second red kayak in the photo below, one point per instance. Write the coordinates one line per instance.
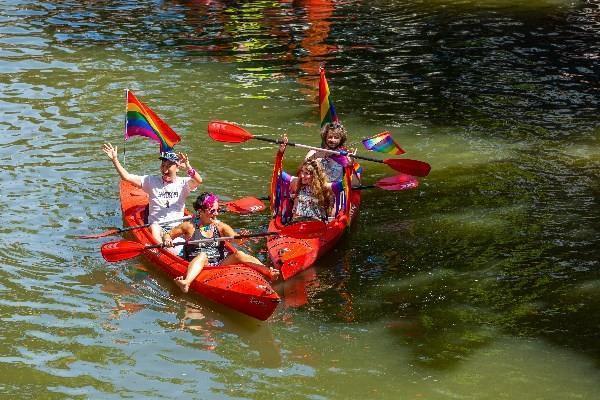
(293, 255)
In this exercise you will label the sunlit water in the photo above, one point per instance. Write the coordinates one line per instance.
(481, 283)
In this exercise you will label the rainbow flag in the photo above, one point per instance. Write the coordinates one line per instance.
(328, 114)
(383, 143)
(358, 169)
(142, 121)
(341, 191)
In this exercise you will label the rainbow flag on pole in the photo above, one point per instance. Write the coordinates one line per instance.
(328, 114)
(383, 143)
(142, 121)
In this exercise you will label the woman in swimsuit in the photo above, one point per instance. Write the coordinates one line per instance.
(206, 226)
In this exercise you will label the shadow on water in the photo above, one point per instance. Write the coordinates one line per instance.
(213, 327)
(480, 252)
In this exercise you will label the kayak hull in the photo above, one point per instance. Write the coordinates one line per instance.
(294, 255)
(238, 287)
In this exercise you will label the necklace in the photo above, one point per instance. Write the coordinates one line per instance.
(206, 230)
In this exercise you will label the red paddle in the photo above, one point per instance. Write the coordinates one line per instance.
(245, 205)
(396, 182)
(226, 132)
(125, 249)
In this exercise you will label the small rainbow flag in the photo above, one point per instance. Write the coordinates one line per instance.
(328, 114)
(383, 143)
(142, 121)
(358, 169)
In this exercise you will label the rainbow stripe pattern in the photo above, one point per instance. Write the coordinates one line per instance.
(358, 169)
(341, 191)
(326, 108)
(383, 143)
(142, 121)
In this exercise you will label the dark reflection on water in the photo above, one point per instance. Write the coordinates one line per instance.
(492, 66)
(506, 243)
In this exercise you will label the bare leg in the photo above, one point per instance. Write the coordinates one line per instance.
(157, 233)
(194, 269)
(239, 257)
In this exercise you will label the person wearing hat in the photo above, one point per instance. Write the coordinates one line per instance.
(167, 192)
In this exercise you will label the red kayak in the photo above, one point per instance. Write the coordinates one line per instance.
(293, 255)
(236, 286)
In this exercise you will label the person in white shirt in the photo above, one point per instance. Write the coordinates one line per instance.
(166, 193)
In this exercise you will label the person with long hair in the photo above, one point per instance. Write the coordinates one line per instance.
(310, 190)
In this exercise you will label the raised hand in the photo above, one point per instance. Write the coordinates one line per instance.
(283, 143)
(110, 151)
(184, 160)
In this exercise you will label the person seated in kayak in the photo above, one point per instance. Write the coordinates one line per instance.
(310, 191)
(205, 225)
(333, 137)
(166, 193)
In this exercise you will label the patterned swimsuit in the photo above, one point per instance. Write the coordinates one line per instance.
(215, 250)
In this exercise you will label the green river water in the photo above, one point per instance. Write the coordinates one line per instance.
(483, 283)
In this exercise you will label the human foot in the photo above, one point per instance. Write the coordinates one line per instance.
(183, 285)
(273, 274)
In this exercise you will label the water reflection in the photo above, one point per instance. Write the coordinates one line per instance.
(213, 331)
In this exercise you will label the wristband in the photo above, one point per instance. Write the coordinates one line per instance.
(191, 172)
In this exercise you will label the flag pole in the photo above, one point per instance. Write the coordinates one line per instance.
(125, 130)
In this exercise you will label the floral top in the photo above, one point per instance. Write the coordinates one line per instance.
(307, 206)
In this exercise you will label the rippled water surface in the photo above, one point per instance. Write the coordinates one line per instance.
(483, 283)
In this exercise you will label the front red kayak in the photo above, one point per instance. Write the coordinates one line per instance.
(236, 286)
(293, 255)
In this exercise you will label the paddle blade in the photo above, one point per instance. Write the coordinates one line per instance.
(121, 250)
(304, 229)
(410, 167)
(397, 182)
(226, 132)
(245, 205)
(109, 232)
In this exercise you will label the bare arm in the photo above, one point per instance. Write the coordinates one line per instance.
(111, 152)
(294, 185)
(226, 230)
(314, 154)
(184, 229)
(196, 178)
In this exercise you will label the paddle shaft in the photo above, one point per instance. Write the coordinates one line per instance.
(217, 239)
(304, 146)
(131, 228)
(363, 187)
